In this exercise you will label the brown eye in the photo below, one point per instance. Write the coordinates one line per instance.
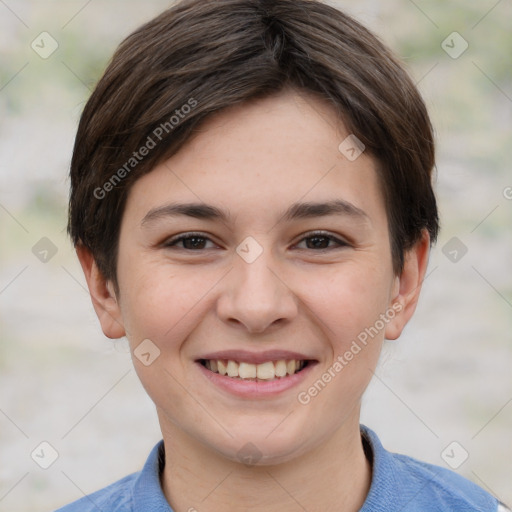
(189, 241)
(318, 242)
(194, 242)
(321, 241)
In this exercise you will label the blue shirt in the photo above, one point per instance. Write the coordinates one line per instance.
(398, 483)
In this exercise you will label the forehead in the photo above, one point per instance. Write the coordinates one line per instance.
(261, 157)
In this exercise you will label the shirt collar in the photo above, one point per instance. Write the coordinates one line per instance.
(379, 497)
(147, 491)
(148, 494)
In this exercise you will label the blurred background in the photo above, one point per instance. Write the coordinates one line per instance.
(442, 393)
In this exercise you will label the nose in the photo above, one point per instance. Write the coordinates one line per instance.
(256, 296)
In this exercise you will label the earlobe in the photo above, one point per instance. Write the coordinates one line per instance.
(408, 286)
(102, 295)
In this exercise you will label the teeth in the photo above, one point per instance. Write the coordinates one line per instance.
(232, 369)
(246, 371)
(264, 371)
(221, 367)
(280, 368)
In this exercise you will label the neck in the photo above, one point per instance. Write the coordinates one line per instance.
(333, 477)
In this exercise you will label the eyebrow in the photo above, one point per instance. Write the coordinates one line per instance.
(295, 211)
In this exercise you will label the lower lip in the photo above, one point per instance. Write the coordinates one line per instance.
(256, 388)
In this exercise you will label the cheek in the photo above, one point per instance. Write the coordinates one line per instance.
(164, 304)
(347, 302)
(146, 301)
(347, 307)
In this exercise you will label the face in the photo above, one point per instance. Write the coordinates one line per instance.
(258, 250)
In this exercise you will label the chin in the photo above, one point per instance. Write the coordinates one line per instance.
(263, 449)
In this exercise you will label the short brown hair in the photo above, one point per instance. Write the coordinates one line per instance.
(201, 57)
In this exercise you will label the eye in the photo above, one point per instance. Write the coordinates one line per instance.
(320, 241)
(197, 241)
(189, 241)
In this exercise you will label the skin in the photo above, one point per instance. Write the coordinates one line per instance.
(254, 161)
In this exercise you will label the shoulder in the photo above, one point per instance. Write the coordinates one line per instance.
(442, 489)
(116, 497)
(137, 492)
(405, 483)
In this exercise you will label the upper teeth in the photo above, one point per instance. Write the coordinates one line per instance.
(266, 371)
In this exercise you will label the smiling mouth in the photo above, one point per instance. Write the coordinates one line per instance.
(267, 371)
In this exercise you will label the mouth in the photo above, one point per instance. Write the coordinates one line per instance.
(255, 375)
(266, 371)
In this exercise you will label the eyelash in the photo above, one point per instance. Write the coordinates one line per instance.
(320, 234)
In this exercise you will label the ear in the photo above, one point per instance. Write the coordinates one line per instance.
(407, 286)
(102, 295)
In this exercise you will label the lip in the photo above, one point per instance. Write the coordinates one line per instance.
(244, 356)
(250, 389)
